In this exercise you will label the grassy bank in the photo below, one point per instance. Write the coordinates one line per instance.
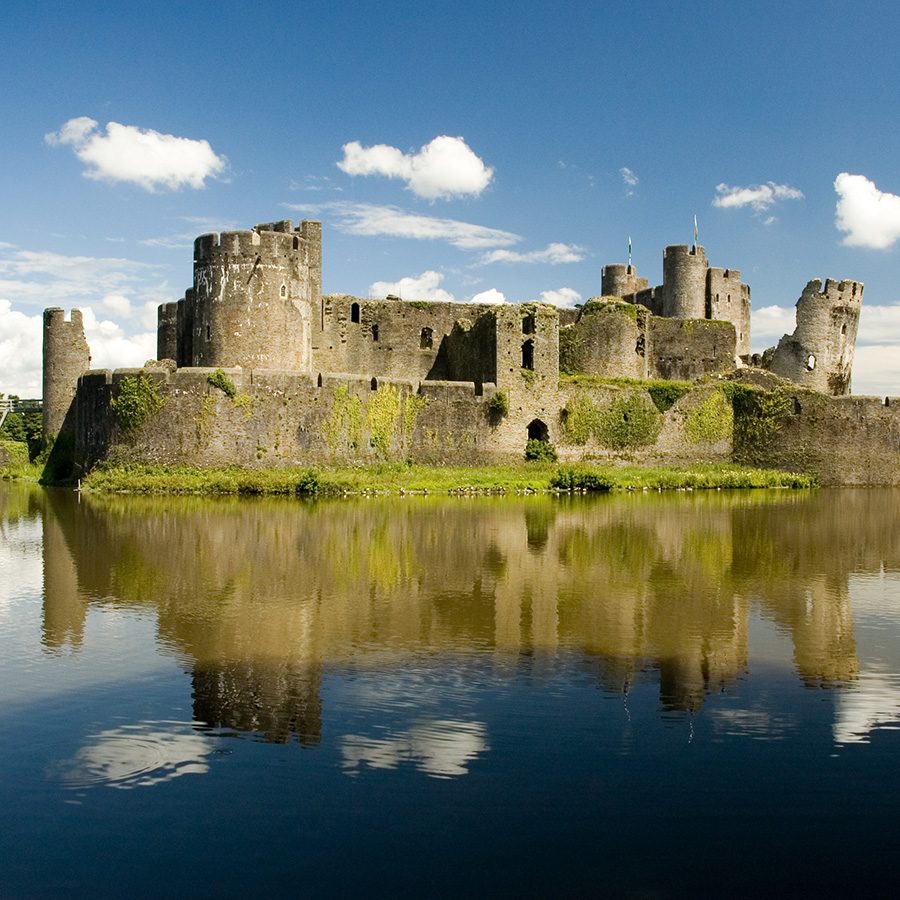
(14, 462)
(399, 479)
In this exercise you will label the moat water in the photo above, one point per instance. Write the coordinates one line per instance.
(654, 695)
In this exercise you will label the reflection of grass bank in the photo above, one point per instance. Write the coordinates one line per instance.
(396, 479)
(14, 462)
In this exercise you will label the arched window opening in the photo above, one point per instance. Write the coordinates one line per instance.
(426, 339)
(528, 355)
(296, 243)
(528, 325)
(810, 363)
(538, 431)
(844, 328)
(374, 331)
(319, 380)
(354, 313)
(374, 384)
(284, 291)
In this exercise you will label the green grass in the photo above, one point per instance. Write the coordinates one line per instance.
(14, 462)
(401, 478)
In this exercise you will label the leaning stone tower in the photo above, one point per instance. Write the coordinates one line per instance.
(253, 297)
(66, 356)
(819, 354)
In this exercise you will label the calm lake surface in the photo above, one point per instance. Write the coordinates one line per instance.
(653, 695)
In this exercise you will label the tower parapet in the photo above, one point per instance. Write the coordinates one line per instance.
(253, 295)
(66, 357)
(819, 354)
(728, 300)
(684, 281)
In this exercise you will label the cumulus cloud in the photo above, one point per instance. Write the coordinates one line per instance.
(415, 287)
(868, 216)
(769, 323)
(553, 254)
(111, 348)
(444, 168)
(117, 304)
(391, 221)
(491, 295)
(759, 196)
(21, 337)
(561, 297)
(140, 156)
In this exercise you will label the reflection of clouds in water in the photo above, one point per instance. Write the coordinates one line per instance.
(756, 723)
(21, 562)
(442, 748)
(138, 756)
(873, 702)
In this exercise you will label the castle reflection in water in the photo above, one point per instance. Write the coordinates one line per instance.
(261, 598)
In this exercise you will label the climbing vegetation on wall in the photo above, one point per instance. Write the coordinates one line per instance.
(757, 418)
(630, 421)
(711, 420)
(579, 419)
(136, 400)
(344, 422)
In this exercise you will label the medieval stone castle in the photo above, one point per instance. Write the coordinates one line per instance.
(256, 366)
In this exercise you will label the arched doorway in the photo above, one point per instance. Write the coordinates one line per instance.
(538, 431)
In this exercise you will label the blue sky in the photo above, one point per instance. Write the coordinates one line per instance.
(517, 146)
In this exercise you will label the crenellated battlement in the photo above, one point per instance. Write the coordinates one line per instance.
(682, 251)
(843, 291)
(271, 243)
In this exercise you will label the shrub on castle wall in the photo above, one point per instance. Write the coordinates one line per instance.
(758, 416)
(136, 400)
(221, 381)
(711, 420)
(343, 426)
(665, 394)
(580, 418)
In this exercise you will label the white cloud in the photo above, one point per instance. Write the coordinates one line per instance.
(769, 323)
(876, 370)
(561, 297)
(416, 287)
(111, 348)
(390, 221)
(628, 176)
(870, 218)
(759, 196)
(491, 295)
(21, 338)
(445, 167)
(117, 304)
(139, 156)
(553, 254)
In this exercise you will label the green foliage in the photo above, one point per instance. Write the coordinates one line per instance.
(628, 422)
(529, 375)
(540, 451)
(580, 419)
(710, 421)
(569, 345)
(498, 406)
(757, 418)
(137, 399)
(220, 380)
(609, 305)
(413, 404)
(419, 304)
(671, 478)
(665, 394)
(344, 422)
(14, 462)
(382, 417)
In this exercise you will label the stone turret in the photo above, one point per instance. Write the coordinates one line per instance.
(684, 282)
(819, 354)
(66, 357)
(728, 300)
(253, 297)
(620, 280)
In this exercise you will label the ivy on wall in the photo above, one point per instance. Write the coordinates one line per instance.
(711, 420)
(136, 400)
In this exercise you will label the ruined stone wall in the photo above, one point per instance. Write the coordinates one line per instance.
(405, 339)
(66, 356)
(253, 295)
(728, 300)
(652, 299)
(609, 340)
(687, 349)
(684, 282)
(619, 280)
(819, 354)
(167, 331)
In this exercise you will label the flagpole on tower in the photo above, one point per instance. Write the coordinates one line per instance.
(696, 232)
(629, 251)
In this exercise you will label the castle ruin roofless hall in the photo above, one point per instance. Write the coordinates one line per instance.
(257, 367)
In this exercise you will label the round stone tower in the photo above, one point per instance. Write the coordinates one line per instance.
(684, 282)
(66, 357)
(819, 354)
(253, 296)
(619, 280)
